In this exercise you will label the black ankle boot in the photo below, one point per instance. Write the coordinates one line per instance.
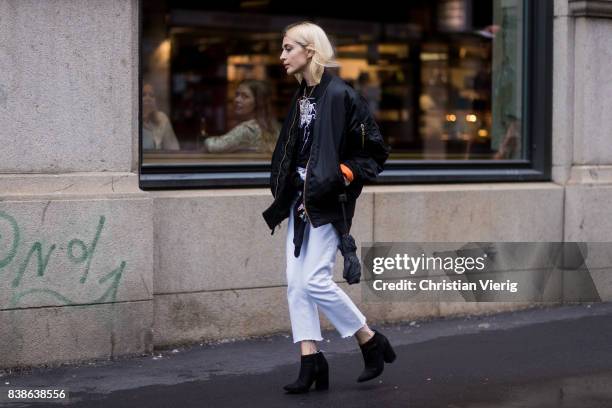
(376, 352)
(313, 368)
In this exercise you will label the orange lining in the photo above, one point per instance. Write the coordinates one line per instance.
(346, 171)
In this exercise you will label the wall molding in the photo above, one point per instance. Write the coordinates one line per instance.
(591, 8)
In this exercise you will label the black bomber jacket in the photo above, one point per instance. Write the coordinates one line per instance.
(344, 132)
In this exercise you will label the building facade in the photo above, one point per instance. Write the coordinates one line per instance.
(101, 257)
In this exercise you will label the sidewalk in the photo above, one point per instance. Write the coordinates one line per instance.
(531, 358)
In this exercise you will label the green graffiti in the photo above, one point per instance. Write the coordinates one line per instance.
(109, 295)
(112, 289)
(13, 251)
(71, 256)
(85, 253)
(18, 296)
(41, 265)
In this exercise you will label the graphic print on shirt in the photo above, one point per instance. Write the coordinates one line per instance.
(307, 114)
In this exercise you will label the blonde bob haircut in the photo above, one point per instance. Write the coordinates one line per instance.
(312, 37)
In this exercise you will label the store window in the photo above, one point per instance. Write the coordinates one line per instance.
(450, 82)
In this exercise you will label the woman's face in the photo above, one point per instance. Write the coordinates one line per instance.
(148, 98)
(294, 57)
(244, 103)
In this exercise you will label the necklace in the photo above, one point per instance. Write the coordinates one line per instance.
(304, 99)
(311, 91)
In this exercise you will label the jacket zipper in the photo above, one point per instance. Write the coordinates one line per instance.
(306, 178)
(284, 154)
(306, 182)
(281, 165)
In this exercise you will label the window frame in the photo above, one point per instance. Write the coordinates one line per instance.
(536, 125)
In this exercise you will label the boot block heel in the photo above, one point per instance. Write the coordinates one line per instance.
(389, 355)
(322, 382)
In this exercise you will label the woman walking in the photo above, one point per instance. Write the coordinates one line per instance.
(328, 147)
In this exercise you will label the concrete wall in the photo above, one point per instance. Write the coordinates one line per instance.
(212, 280)
(76, 232)
(93, 267)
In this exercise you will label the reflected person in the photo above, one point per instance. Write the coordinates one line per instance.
(257, 130)
(157, 132)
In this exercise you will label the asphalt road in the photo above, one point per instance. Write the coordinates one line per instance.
(544, 357)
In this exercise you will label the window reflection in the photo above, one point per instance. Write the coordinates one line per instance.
(157, 132)
(443, 77)
(258, 128)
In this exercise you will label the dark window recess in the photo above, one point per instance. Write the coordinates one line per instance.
(461, 89)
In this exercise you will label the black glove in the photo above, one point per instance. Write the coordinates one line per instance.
(352, 268)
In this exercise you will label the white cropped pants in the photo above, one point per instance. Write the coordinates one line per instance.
(310, 285)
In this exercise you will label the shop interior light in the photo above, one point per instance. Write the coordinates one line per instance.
(471, 118)
(483, 132)
(451, 118)
(162, 52)
(433, 56)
